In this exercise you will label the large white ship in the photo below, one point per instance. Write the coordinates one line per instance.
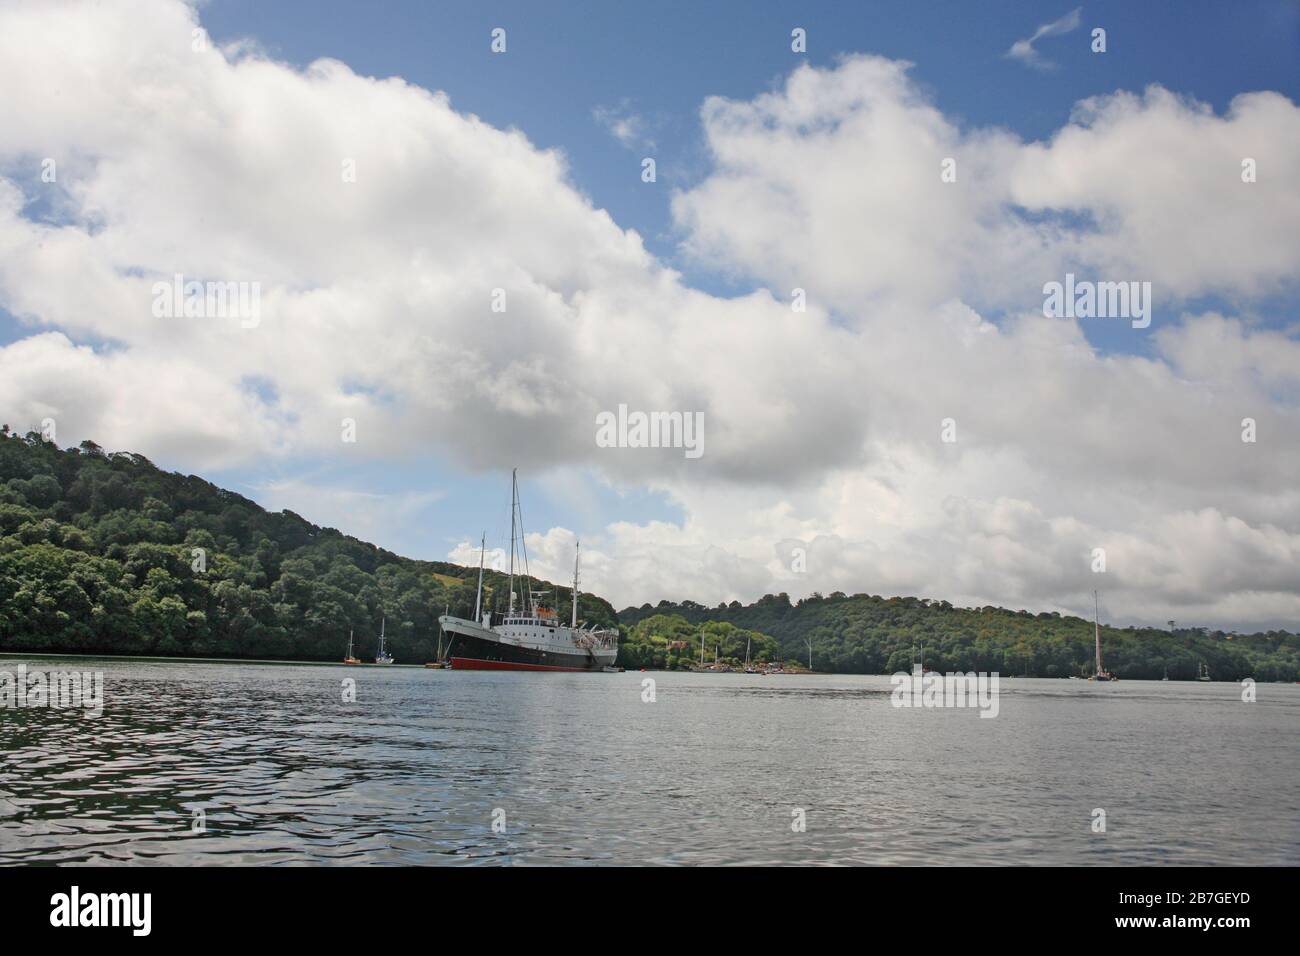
(528, 637)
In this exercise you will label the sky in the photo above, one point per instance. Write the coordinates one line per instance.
(919, 426)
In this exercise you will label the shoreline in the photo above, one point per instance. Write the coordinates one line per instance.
(15, 655)
(56, 655)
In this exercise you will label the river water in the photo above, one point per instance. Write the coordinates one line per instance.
(224, 763)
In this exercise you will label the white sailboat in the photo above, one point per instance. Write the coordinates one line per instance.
(383, 657)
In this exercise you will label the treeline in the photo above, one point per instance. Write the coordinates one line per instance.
(868, 634)
(106, 553)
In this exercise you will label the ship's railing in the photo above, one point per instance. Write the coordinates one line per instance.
(604, 639)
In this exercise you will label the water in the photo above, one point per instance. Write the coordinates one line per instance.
(586, 772)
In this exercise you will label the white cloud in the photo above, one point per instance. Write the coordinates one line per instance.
(1024, 51)
(832, 183)
(630, 128)
(821, 427)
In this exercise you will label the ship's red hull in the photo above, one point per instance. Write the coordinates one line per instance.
(471, 664)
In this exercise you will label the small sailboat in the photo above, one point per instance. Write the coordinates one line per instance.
(1101, 673)
(351, 658)
(1203, 673)
(439, 662)
(383, 657)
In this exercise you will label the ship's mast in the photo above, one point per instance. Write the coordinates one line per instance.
(531, 607)
(478, 597)
(576, 546)
(1096, 626)
(513, 494)
(516, 509)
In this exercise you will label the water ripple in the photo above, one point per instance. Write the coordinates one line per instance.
(281, 770)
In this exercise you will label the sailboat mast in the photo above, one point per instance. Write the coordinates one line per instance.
(478, 596)
(1096, 626)
(576, 546)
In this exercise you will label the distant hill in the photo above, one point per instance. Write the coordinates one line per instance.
(867, 634)
(98, 555)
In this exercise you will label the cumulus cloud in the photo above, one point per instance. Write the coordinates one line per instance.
(376, 294)
(833, 183)
(822, 427)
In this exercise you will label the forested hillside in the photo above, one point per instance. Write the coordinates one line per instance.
(100, 553)
(874, 635)
(106, 553)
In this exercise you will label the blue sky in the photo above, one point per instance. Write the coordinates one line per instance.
(571, 73)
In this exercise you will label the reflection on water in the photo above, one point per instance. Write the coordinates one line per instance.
(283, 771)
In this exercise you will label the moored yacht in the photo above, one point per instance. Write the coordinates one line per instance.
(383, 657)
